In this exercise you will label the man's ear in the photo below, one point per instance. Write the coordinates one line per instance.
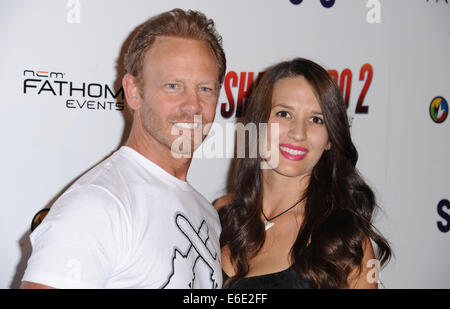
(131, 88)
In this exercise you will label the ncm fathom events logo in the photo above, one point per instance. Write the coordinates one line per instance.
(438, 109)
(77, 95)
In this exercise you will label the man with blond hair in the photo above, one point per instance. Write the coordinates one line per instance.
(133, 221)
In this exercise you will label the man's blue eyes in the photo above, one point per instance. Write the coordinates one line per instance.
(176, 86)
(172, 86)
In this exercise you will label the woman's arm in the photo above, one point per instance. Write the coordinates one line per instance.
(364, 279)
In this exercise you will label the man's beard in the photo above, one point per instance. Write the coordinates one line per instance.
(161, 131)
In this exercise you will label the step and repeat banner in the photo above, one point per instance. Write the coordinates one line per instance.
(63, 109)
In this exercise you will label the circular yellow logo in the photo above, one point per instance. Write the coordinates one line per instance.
(37, 219)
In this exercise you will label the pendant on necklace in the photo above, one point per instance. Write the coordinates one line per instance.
(268, 224)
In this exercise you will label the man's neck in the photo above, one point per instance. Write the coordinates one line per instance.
(159, 154)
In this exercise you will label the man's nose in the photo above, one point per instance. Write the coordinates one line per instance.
(192, 104)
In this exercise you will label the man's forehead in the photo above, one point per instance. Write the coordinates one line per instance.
(168, 43)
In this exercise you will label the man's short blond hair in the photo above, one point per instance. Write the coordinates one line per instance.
(177, 23)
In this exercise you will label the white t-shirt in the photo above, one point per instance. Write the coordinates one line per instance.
(127, 223)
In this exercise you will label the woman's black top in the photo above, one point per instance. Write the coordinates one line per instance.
(285, 279)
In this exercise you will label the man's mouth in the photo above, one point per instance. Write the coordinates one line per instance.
(187, 125)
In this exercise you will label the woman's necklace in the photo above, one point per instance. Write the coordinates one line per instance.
(268, 222)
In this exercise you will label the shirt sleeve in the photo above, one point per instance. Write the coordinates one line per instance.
(79, 243)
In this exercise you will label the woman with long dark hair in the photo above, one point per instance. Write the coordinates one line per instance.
(306, 222)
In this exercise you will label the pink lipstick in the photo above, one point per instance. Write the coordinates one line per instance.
(291, 152)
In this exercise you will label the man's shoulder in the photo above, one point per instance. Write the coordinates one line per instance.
(114, 175)
(101, 187)
(105, 172)
(87, 201)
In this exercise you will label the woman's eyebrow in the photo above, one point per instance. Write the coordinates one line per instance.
(283, 105)
(316, 112)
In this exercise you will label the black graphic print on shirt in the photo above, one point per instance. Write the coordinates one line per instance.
(198, 258)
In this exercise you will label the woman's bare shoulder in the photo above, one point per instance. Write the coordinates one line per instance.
(223, 201)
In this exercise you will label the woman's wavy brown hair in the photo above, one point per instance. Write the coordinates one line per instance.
(339, 205)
